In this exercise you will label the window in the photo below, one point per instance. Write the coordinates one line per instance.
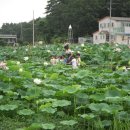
(101, 26)
(104, 25)
(123, 38)
(96, 37)
(112, 24)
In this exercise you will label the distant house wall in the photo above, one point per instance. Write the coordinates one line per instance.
(116, 29)
(104, 25)
(8, 38)
(99, 38)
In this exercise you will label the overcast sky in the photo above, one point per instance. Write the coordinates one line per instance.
(16, 11)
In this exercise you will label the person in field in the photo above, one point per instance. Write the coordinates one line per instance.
(78, 59)
(53, 60)
(74, 62)
(3, 65)
(67, 48)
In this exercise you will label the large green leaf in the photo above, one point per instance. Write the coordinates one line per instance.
(72, 89)
(61, 103)
(47, 108)
(25, 112)
(48, 126)
(48, 93)
(88, 116)
(98, 107)
(1, 97)
(68, 122)
(8, 107)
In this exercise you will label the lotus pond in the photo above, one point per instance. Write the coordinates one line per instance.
(35, 95)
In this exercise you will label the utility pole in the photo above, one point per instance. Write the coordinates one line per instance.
(110, 24)
(33, 29)
(21, 35)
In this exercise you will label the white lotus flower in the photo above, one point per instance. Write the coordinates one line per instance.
(48, 51)
(6, 68)
(118, 49)
(37, 81)
(20, 70)
(117, 45)
(40, 42)
(26, 49)
(78, 51)
(82, 45)
(18, 62)
(58, 49)
(101, 48)
(124, 67)
(45, 63)
(26, 58)
(14, 51)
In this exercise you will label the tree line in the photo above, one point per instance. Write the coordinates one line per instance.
(83, 15)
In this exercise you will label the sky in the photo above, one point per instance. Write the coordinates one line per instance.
(16, 11)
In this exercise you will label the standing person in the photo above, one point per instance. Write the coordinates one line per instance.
(74, 63)
(78, 59)
(57, 59)
(69, 58)
(53, 60)
(67, 48)
(61, 59)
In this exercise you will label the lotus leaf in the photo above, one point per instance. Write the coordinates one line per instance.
(1, 97)
(97, 97)
(48, 93)
(54, 76)
(88, 116)
(45, 100)
(35, 126)
(47, 108)
(61, 103)
(99, 107)
(5, 87)
(127, 98)
(26, 74)
(32, 93)
(48, 126)
(113, 93)
(72, 89)
(68, 122)
(25, 112)
(8, 107)
(106, 123)
(82, 74)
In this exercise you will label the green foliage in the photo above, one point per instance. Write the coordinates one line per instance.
(36, 95)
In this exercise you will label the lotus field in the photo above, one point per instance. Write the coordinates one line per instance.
(35, 95)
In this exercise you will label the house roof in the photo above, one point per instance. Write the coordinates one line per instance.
(7, 36)
(116, 18)
(96, 32)
(104, 32)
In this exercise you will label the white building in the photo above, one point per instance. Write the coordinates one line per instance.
(116, 27)
(8, 38)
